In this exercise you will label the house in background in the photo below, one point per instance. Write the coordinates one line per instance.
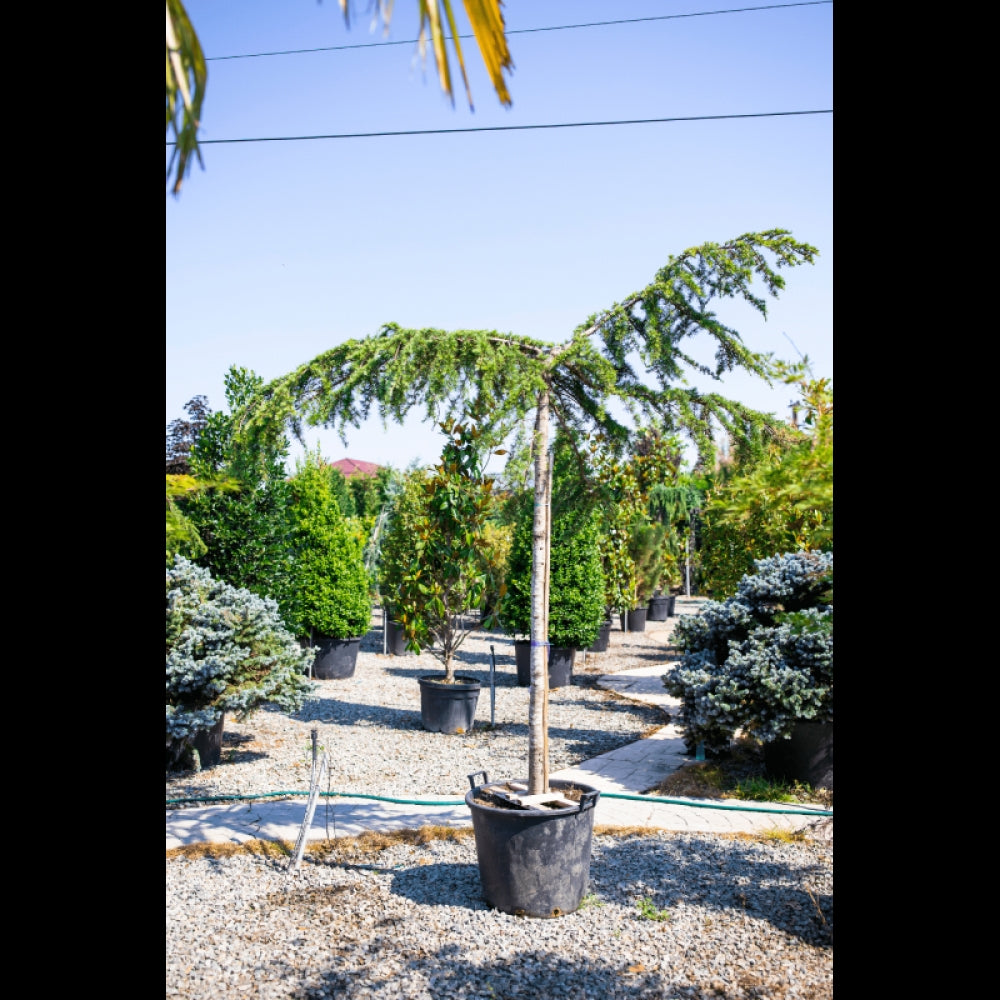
(355, 467)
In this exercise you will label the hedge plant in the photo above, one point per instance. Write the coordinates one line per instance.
(762, 660)
(577, 600)
(329, 590)
(227, 651)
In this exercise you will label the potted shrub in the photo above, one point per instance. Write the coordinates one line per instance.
(443, 572)
(329, 605)
(388, 552)
(621, 513)
(576, 609)
(760, 663)
(227, 651)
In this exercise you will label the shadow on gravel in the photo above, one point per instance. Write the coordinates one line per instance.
(736, 875)
(743, 877)
(526, 975)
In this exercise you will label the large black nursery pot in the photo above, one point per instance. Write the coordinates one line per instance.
(658, 609)
(636, 620)
(600, 644)
(208, 743)
(448, 708)
(395, 639)
(533, 862)
(561, 659)
(336, 658)
(807, 756)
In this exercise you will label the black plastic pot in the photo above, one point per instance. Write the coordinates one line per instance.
(208, 743)
(561, 659)
(670, 607)
(658, 609)
(603, 636)
(533, 862)
(636, 620)
(807, 756)
(448, 708)
(395, 639)
(336, 658)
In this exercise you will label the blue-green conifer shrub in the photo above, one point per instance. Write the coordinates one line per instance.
(762, 660)
(228, 651)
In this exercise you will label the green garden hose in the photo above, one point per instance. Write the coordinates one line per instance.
(651, 799)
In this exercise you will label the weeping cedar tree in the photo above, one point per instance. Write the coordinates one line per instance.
(631, 352)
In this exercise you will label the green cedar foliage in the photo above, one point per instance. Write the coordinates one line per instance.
(329, 587)
(398, 369)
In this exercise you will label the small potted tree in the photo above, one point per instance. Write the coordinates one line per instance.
(444, 574)
(760, 663)
(227, 651)
(329, 605)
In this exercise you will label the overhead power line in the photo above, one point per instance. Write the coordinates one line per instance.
(508, 128)
(523, 31)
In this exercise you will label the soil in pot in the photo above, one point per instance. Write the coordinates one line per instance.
(336, 658)
(561, 659)
(448, 708)
(535, 861)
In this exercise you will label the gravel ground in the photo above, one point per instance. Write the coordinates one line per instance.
(668, 915)
(370, 724)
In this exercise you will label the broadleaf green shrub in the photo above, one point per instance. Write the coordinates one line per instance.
(577, 587)
(762, 660)
(576, 580)
(329, 588)
(227, 651)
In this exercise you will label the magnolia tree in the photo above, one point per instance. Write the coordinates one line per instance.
(631, 352)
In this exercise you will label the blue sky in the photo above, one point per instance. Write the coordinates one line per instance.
(277, 251)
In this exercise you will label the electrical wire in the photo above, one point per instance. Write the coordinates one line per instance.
(509, 128)
(520, 31)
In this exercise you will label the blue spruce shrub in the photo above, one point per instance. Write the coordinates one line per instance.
(762, 660)
(227, 651)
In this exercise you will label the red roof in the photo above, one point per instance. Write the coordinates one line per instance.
(355, 467)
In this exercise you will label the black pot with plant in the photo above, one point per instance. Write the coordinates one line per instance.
(761, 663)
(438, 570)
(228, 651)
(576, 609)
(329, 604)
